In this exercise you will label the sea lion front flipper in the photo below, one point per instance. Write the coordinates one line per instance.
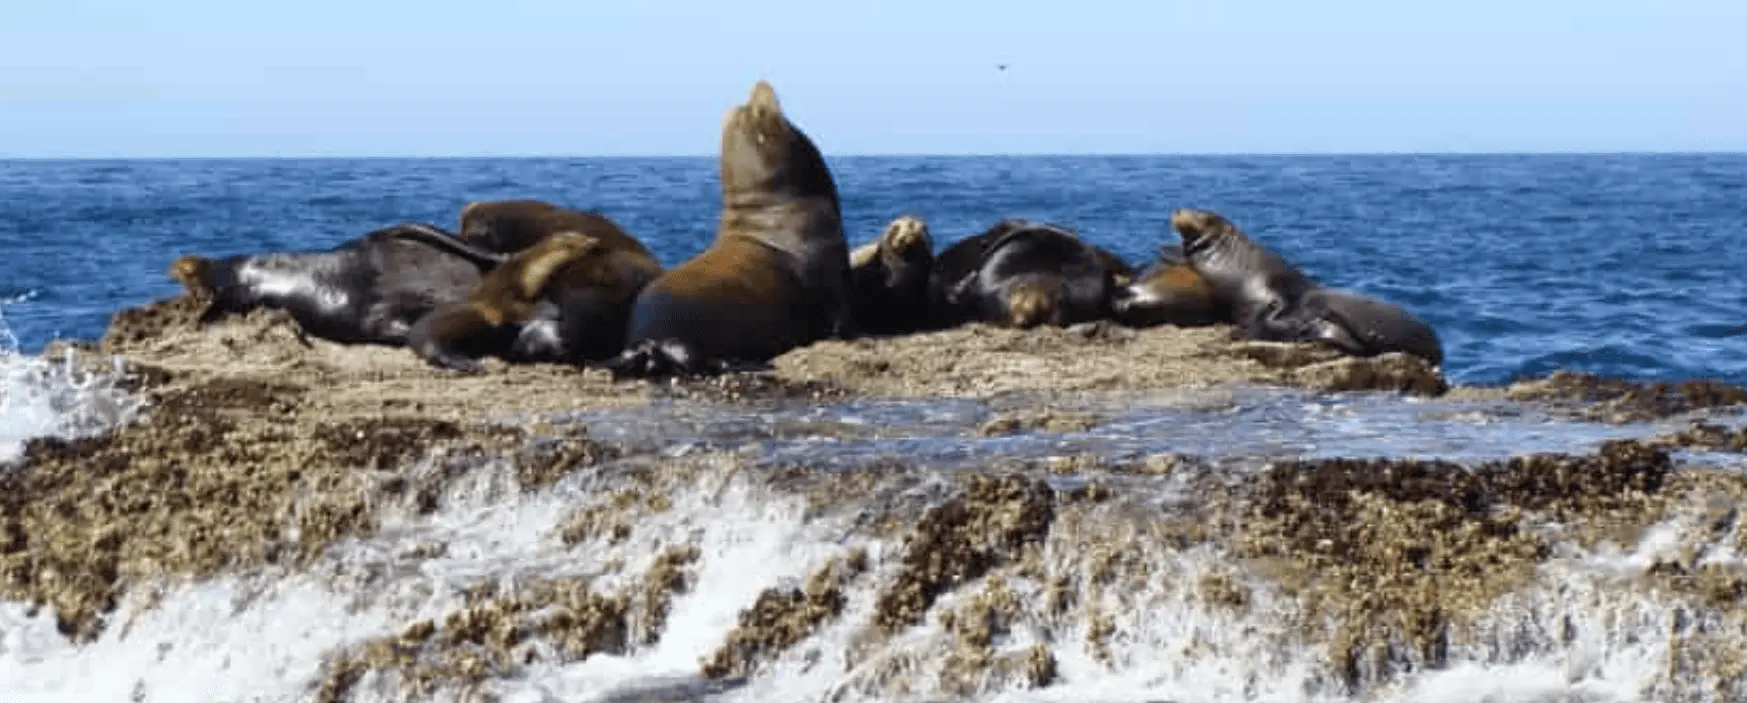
(1340, 338)
(1272, 323)
(664, 358)
(209, 314)
(297, 332)
(538, 341)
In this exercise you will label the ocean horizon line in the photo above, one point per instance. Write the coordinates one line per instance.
(5, 158)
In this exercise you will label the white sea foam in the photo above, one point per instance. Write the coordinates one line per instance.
(52, 397)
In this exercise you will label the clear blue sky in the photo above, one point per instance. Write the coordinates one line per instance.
(125, 78)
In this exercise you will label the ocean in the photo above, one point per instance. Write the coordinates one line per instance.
(1622, 265)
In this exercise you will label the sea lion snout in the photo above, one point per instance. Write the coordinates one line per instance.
(763, 97)
(909, 233)
(1192, 225)
(190, 270)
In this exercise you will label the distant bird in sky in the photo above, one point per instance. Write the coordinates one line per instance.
(1000, 67)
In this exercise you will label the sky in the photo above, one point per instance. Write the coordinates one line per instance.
(211, 78)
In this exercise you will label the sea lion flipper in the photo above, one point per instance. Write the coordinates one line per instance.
(666, 358)
(442, 239)
(213, 312)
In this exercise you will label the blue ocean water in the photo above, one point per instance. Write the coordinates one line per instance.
(1627, 265)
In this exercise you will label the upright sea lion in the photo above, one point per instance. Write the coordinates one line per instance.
(1167, 292)
(509, 226)
(1258, 286)
(366, 290)
(1022, 273)
(489, 321)
(1271, 300)
(890, 278)
(777, 275)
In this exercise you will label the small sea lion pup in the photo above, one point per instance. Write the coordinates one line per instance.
(366, 290)
(509, 226)
(890, 278)
(1167, 292)
(777, 275)
(1271, 300)
(490, 320)
(1022, 273)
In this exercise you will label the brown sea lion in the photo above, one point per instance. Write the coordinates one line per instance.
(777, 275)
(366, 290)
(509, 226)
(454, 335)
(1022, 273)
(1168, 292)
(1271, 300)
(586, 307)
(890, 278)
(592, 298)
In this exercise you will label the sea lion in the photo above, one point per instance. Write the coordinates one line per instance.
(777, 274)
(509, 226)
(1258, 286)
(1272, 300)
(1167, 292)
(1022, 273)
(1362, 325)
(583, 314)
(366, 290)
(890, 278)
(1121, 272)
(490, 320)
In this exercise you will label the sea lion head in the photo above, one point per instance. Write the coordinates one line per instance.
(907, 237)
(765, 155)
(1031, 304)
(193, 272)
(1200, 228)
(468, 209)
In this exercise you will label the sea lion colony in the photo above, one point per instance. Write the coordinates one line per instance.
(779, 275)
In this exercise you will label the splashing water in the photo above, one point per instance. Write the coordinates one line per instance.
(43, 397)
(1582, 630)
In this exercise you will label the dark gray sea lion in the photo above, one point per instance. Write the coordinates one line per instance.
(1023, 273)
(777, 275)
(1258, 286)
(1168, 292)
(509, 226)
(490, 320)
(890, 278)
(1271, 300)
(1121, 272)
(366, 290)
(1363, 325)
